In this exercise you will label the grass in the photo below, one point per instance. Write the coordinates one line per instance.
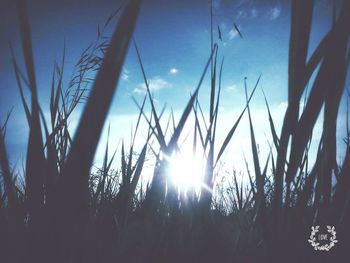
(65, 212)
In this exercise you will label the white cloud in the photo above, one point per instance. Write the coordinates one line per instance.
(125, 75)
(274, 13)
(232, 33)
(155, 84)
(232, 88)
(173, 71)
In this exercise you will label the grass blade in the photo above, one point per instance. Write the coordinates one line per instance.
(233, 129)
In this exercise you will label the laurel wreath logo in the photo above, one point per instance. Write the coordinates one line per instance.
(326, 247)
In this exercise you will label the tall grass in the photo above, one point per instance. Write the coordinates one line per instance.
(66, 212)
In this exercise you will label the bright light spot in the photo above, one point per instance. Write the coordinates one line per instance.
(186, 171)
(173, 71)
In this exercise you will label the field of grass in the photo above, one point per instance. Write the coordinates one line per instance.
(64, 211)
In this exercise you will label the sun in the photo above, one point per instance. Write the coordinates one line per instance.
(186, 170)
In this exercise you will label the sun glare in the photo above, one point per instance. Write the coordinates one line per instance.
(186, 170)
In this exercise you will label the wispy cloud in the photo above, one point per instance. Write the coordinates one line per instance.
(232, 88)
(274, 12)
(253, 13)
(125, 75)
(155, 84)
(232, 33)
(241, 14)
(173, 71)
(223, 26)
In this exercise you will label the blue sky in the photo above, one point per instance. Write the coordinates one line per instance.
(174, 41)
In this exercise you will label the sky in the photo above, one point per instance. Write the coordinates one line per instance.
(174, 40)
